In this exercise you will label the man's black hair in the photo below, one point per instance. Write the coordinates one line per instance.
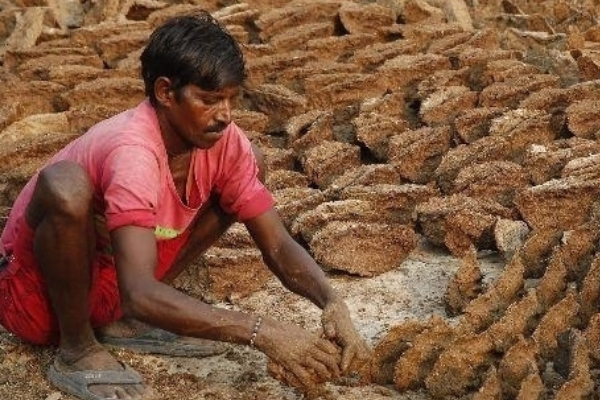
(192, 49)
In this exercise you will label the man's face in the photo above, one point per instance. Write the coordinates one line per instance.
(199, 117)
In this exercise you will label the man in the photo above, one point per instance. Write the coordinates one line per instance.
(96, 234)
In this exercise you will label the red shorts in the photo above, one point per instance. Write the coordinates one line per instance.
(25, 308)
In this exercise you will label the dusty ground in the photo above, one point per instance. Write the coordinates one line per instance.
(412, 291)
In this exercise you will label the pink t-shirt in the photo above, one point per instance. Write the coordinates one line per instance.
(127, 163)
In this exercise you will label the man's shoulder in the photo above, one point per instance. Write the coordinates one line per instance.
(138, 125)
(142, 117)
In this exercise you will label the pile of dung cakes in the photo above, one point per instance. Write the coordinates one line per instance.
(473, 124)
(531, 335)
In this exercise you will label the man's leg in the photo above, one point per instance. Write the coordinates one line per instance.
(60, 214)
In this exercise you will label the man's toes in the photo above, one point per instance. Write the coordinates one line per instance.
(122, 394)
(128, 392)
(136, 391)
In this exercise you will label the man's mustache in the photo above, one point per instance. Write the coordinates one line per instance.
(216, 128)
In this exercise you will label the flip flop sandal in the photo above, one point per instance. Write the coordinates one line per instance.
(77, 383)
(159, 341)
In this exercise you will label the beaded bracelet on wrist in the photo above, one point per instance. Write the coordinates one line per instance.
(255, 330)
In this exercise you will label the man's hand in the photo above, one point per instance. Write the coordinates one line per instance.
(339, 328)
(299, 351)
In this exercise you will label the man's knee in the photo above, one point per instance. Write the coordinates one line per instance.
(260, 160)
(62, 188)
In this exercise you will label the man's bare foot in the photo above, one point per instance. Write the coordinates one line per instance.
(76, 373)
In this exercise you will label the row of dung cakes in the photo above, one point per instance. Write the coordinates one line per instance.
(531, 335)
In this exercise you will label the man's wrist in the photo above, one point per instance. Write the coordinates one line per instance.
(255, 331)
(333, 298)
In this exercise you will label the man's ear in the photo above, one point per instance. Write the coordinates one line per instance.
(163, 91)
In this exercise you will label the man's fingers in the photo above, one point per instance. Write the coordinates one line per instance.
(302, 375)
(327, 347)
(329, 330)
(321, 370)
(332, 362)
(347, 356)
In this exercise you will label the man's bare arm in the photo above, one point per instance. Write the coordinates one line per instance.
(288, 260)
(299, 272)
(145, 298)
(149, 300)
